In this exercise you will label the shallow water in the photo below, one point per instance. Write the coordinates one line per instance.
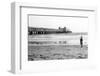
(57, 39)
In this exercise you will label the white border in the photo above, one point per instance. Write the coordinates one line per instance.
(18, 63)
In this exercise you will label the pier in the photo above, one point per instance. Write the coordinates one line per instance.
(35, 30)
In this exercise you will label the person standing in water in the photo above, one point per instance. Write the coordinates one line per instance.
(81, 41)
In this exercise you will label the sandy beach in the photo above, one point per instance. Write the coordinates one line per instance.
(53, 52)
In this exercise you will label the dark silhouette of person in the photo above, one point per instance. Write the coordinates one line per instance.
(81, 41)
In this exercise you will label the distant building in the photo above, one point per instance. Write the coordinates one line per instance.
(35, 30)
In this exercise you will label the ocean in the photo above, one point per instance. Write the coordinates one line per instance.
(58, 39)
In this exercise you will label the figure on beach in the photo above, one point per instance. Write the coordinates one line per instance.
(81, 41)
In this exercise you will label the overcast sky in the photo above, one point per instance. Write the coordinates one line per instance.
(75, 24)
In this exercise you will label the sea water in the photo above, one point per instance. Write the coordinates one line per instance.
(58, 39)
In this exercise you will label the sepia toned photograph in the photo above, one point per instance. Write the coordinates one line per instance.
(57, 37)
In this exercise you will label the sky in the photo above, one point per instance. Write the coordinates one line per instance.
(75, 24)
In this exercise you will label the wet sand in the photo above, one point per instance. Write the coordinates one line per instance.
(55, 52)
